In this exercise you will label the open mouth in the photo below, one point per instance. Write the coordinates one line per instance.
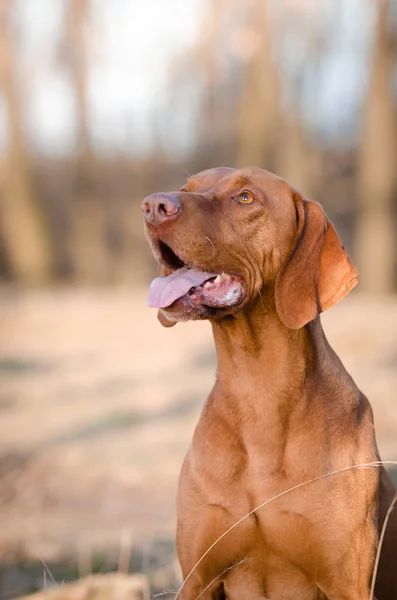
(169, 257)
(192, 285)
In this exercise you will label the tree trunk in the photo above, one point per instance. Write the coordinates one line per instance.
(377, 168)
(25, 235)
(90, 259)
(259, 109)
(208, 67)
(76, 50)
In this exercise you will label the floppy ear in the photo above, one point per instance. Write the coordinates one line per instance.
(317, 273)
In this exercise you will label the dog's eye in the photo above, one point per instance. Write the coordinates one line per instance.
(245, 198)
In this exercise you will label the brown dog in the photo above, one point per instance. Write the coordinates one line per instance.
(243, 249)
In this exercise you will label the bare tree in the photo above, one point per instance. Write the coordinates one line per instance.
(203, 68)
(293, 159)
(26, 237)
(301, 29)
(76, 57)
(376, 226)
(259, 114)
(208, 66)
(90, 259)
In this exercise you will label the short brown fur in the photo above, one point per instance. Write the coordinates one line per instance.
(283, 409)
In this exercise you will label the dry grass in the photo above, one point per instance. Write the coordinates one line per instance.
(112, 586)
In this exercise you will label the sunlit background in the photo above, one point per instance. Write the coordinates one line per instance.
(101, 103)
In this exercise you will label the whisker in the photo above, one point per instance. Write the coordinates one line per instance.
(263, 306)
(213, 247)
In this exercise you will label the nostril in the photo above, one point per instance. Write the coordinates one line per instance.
(168, 208)
(146, 207)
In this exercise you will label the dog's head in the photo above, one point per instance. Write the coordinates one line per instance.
(228, 235)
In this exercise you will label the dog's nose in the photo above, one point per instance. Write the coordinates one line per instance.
(159, 208)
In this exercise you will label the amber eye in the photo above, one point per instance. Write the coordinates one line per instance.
(245, 198)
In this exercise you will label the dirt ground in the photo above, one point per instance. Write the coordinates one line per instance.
(98, 403)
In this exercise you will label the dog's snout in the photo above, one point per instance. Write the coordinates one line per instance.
(159, 208)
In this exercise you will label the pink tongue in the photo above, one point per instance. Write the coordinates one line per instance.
(165, 290)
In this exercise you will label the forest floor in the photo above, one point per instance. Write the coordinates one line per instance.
(98, 404)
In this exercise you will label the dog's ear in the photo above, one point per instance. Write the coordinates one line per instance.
(165, 321)
(317, 273)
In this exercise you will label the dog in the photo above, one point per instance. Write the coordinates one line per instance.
(245, 250)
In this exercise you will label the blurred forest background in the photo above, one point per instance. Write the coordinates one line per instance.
(102, 103)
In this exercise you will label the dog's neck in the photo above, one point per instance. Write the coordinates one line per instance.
(265, 375)
(255, 350)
